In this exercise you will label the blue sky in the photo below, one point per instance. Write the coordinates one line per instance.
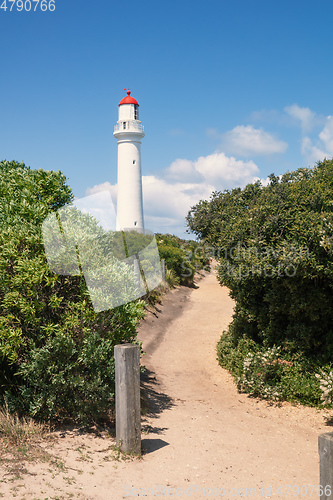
(228, 91)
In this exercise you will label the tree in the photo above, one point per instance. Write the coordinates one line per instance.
(56, 353)
(276, 256)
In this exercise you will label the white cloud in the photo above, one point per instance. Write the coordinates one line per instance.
(316, 141)
(174, 200)
(183, 170)
(305, 116)
(99, 203)
(168, 199)
(225, 171)
(106, 186)
(218, 169)
(166, 204)
(247, 140)
(317, 149)
(326, 135)
(312, 152)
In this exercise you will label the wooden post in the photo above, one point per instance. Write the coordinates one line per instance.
(325, 447)
(163, 269)
(128, 411)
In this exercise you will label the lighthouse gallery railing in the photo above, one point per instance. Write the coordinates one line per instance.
(130, 125)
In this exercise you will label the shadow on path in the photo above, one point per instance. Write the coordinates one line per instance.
(153, 400)
(150, 445)
(153, 403)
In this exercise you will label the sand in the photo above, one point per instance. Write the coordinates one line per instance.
(200, 437)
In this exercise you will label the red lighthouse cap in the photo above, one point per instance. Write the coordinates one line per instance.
(128, 99)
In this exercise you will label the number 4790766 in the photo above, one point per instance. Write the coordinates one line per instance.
(28, 5)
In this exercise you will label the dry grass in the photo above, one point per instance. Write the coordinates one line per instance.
(23, 440)
(20, 442)
(18, 431)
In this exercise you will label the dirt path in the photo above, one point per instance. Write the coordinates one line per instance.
(200, 437)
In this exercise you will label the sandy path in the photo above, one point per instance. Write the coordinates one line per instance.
(217, 437)
(201, 438)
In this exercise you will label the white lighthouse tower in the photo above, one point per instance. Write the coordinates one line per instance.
(129, 133)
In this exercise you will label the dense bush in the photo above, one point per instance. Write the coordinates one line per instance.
(56, 353)
(183, 258)
(269, 372)
(274, 245)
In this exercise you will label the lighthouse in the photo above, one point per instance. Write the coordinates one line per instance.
(129, 133)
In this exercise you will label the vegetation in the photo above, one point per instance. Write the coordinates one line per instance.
(275, 252)
(18, 431)
(182, 258)
(56, 352)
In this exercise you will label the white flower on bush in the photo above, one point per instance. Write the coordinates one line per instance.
(326, 386)
(248, 360)
(253, 366)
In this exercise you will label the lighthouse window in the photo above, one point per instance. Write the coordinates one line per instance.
(133, 162)
(124, 125)
(135, 223)
(136, 114)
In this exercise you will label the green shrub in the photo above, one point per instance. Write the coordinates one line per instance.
(175, 260)
(56, 353)
(270, 372)
(275, 250)
(182, 257)
(276, 257)
(62, 375)
(171, 278)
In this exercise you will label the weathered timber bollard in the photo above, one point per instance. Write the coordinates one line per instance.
(325, 448)
(128, 411)
(163, 269)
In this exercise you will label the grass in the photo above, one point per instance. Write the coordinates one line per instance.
(19, 431)
(118, 454)
(171, 279)
(19, 442)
